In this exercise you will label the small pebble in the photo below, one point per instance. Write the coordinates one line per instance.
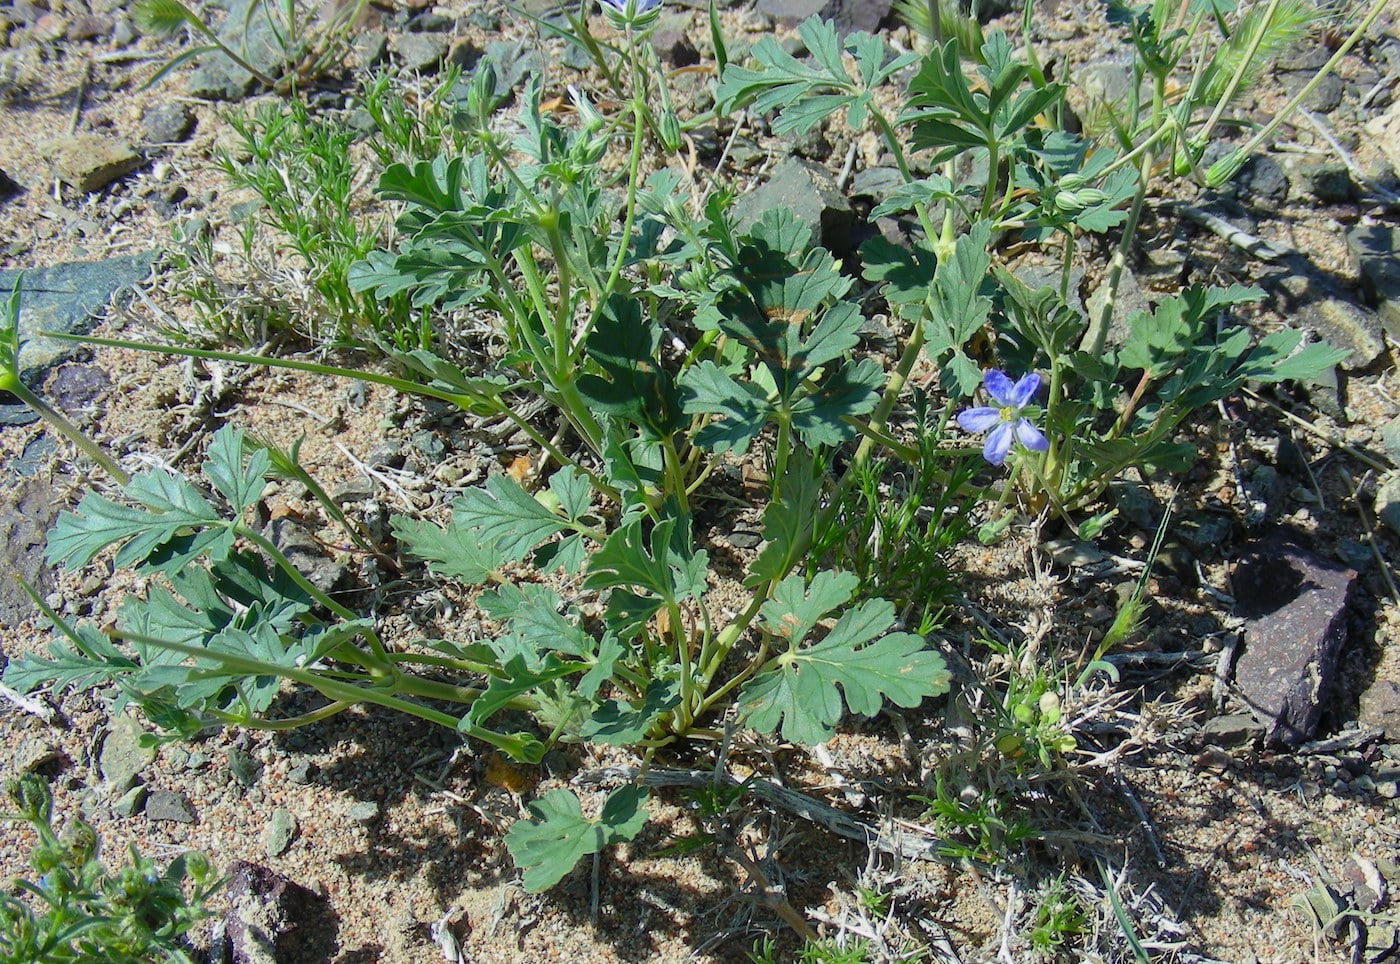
(169, 806)
(129, 803)
(366, 811)
(281, 828)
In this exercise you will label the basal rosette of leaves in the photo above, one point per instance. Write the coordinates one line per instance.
(669, 344)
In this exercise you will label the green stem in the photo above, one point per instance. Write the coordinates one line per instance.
(1224, 169)
(66, 428)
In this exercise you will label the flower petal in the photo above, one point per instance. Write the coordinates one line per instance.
(1030, 436)
(1023, 392)
(977, 420)
(998, 386)
(998, 444)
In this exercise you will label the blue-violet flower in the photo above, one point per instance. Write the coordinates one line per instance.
(1002, 420)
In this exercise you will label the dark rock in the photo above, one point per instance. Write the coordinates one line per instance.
(9, 187)
(675, 48)
(1330, 182)
(1380, 707)
(89, 162)
(270, 918)
(421, 52)
(74, 387)
(169, 806)
(1205, 532)
(809, 192)
(67, 298)
(1374, 254)
(1261, 180)
(168, 123)
(1295, 605)
(27, 509)
(36, 451)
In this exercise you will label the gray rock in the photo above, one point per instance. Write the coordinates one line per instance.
(1390, 439)
(1136, 503)
(370, 48)
(1380, 707)
(67, 298)
(1346, 325)
(169, 806)
(1388, 501)
(1354, 555)
(876, 183)
(1127, 301)
(27, 509)
(1205, 532)
(124, 32)
(306, 553)
(35, 754)
(1376, 258)
(122, 757)
(218, 78)
(1330, 182)
(1261, 180)
(168, 123)
(809, 192)
(89, 162)
(847, 15)
(1295, 605)
(421, 52)
(513, 60)
(129, 803)
(281, 828)
(89, 26)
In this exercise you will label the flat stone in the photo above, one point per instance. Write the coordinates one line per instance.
(169, 806)
(1346, 325)
(1232, 729)
(168, 123)
(421, 52)
(281, 828)
(1329, 182)
(35, 754)
(122, 757)
(1295, 605)
(1380, 707)
(89, 162)
(129, 804)
(28, 508)
(67, 298)
(809, 191)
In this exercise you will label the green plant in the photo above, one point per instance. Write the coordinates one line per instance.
(309, 46)
(668, 344)
(973, 823)
(304, 172)
(77, 910)
(1057, 917)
